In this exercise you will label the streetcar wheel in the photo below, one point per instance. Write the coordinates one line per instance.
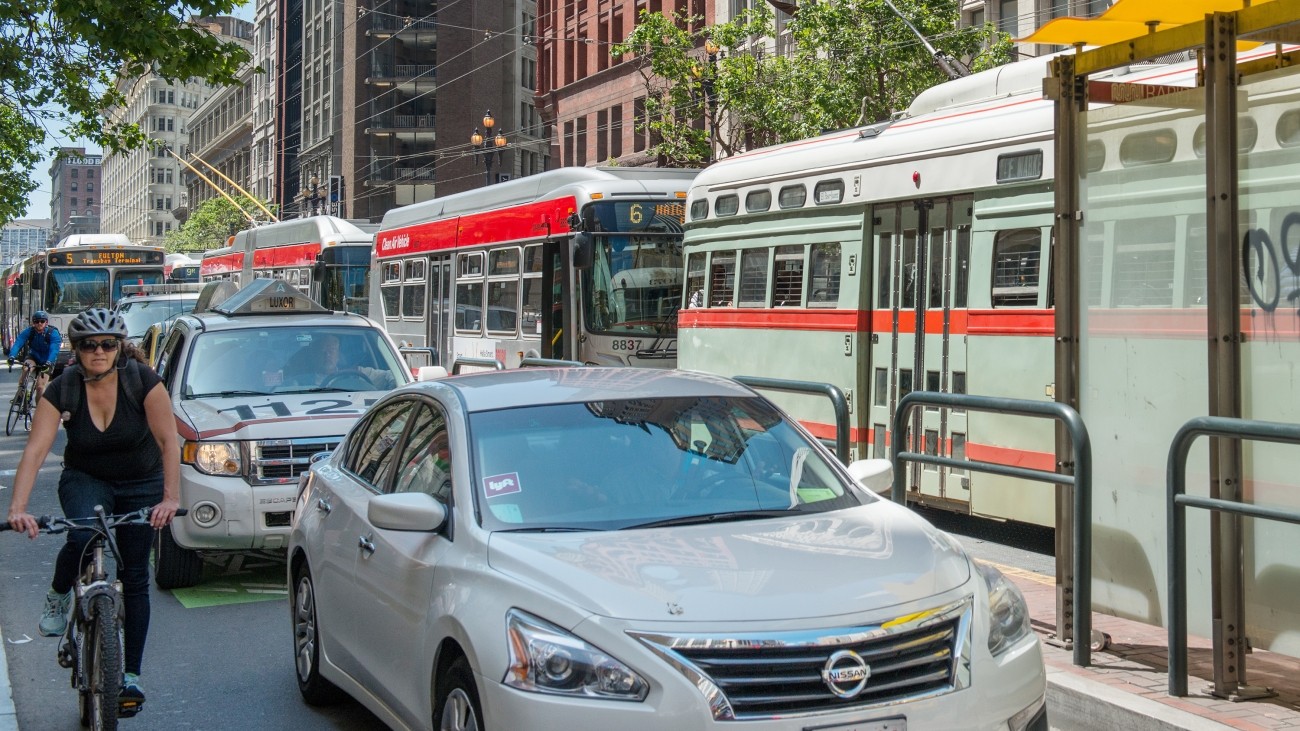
(174, 567)
(315, 689)
(103, 644)
(457, 707)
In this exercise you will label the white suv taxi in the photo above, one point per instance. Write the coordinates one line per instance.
(259, 383)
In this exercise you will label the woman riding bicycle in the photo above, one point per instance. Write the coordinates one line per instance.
(41, 343)
(122, 453)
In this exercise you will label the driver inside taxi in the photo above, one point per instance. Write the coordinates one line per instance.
(318, 365)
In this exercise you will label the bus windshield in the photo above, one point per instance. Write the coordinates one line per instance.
(634, 281)
(134, 276)
(346, 284)
(72, 290)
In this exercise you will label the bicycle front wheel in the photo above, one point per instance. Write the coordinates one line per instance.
(15, 415)
(102, 667)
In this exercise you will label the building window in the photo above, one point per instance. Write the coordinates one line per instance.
(74, 187)
(74, 203)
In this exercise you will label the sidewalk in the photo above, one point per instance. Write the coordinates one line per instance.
(1127, 685)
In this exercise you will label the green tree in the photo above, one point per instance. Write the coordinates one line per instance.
(58, 65)
(212, 223)
(849, 62)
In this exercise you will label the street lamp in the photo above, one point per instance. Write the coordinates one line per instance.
(313, 196)
(485, 144)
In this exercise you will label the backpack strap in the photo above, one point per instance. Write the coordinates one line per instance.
(129, 380)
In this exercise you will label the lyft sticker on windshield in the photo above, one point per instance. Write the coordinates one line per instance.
(499, 485)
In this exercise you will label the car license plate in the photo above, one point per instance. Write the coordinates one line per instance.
(884, 724)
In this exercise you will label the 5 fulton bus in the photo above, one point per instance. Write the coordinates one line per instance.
(82, 271)
(916, 255)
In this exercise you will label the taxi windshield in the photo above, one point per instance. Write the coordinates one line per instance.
(140, 314)
(612, 465)
(299, 359)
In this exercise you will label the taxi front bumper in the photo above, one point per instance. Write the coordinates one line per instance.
(246, 516)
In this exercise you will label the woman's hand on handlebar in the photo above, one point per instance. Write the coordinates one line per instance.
(21, 521)
(163, 512)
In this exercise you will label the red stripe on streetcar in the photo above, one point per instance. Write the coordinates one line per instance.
(290, 255)
(960, 322)
(223, 264)
(529, 221)
(976, 452)
(773, 319)
(1009, 322)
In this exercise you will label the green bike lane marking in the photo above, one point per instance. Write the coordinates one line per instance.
(236, 579)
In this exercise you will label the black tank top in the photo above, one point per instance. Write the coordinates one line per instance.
(126, 450)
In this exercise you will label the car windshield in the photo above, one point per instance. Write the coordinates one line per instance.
(612, 465)
(266, 359)
(140, 314)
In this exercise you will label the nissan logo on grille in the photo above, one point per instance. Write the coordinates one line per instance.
(846, 673)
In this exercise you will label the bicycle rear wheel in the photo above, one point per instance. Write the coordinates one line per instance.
(101, 666)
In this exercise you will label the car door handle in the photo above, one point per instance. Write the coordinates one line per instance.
(323, 506)
(366, 545)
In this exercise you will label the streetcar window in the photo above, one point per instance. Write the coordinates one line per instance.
(722, 281)
(414, 269)
(413, 300)
(824, 275)
(961, 267)
(392, 271)
(757, 201)
(471, 265)
(727, 205)
(959, 387)
(884, 251)
(753, 278)
(533, 259)
(1020, 166)
(294, 277)
(1247, 136)
(904, 382)
(700, 209)
(1148, 148)
(908, 270)
(792, 196)
(503, 261)
(935, 275)
(787, 277)
(695, 280)
(881, 395)
(503, 291)
(879, 449)
(1016, 260)
(931, 448)
(828, 192)
(934, 385)
(391, 290)
(958, 452)
(1142, 271)
(1093, 254)
(469, 293)
(1095, 156)
(1288, 129)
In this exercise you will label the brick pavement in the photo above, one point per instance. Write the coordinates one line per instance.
(1134, 668)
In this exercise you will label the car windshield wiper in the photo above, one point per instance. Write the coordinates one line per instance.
(548, 529)
(713, 518)
(227, 394)
(320, 389)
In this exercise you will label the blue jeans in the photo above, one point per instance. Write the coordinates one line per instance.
(79, 493)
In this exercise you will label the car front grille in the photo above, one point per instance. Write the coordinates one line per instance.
(769, 675)
(282, 460)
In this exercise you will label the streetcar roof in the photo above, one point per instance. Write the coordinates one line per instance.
(579, 182)
(313, 229)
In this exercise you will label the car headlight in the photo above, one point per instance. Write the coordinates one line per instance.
(1008, 614)
(547, 659)
(213, 458)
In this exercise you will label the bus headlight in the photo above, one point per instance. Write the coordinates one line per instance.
(1008, 614)
(213, 458)
(547, 659)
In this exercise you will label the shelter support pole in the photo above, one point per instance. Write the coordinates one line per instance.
(1067, 90)
(1224, 353)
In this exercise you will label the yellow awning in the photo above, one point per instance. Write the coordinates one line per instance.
(1128, 19)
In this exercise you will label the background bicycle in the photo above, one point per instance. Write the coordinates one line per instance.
(22, 403)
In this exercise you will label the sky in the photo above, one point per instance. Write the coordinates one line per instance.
(38, 201)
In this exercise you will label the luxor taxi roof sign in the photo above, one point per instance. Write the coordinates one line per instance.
(268, 297)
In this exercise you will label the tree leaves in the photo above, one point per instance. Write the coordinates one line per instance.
(840, 64)
(211, 223)
(59, 61)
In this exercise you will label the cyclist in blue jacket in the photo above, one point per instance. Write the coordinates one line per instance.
(42, 345)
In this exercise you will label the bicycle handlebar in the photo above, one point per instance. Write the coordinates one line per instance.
(55, 524)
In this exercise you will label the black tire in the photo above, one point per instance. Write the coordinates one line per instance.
(103, 666)
(457, 707)
(174, 567)
(15, 413)
(315, 689)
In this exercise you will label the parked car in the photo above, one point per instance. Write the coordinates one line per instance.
(591, 548)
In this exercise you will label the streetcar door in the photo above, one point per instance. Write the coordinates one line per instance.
(557, 292)
(439, 311)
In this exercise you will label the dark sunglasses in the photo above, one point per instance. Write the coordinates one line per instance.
(90, 346)
(39, 322)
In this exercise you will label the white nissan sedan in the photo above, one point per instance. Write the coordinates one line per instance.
(617, 548)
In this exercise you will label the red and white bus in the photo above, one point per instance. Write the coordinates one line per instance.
(576, 264)
(324, 256)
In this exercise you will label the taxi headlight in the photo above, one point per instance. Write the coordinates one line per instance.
(1008, 614)
(547, 659)
(213, 458)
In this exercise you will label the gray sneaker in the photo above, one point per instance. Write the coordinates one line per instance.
(54, 620)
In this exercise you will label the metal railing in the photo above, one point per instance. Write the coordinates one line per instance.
(414, 356)
(1080, 484)
(838, 403)
(1177, 504)
(492, 363)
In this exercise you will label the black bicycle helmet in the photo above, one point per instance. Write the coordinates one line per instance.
(96, 321)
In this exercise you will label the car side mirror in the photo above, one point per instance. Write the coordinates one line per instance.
(430, 373)
(876, 475)
(408, 511)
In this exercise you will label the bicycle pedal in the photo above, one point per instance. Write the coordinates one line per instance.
(127, 709)
(66, 659)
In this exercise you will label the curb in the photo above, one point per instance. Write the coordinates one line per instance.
(1076, 703)
(8, 714)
